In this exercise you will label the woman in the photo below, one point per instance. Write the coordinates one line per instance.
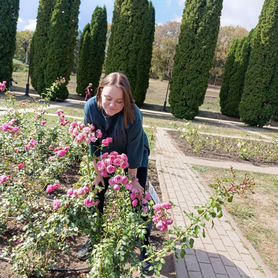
(115, 113)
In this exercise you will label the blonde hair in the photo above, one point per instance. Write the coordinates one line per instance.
(120, 81)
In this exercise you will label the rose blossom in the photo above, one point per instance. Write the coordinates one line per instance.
(57, 204)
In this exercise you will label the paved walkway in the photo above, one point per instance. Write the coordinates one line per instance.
(224, 253)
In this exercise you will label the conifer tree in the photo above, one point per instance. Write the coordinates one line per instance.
(38, 51)
(8, 22)
(144, 57)
(62, 39)
(129, 47)
(194, 55)
(259, 99)
(234, 75)
(117, 29)
(92, 51)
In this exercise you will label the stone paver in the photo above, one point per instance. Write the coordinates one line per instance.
(223, 252)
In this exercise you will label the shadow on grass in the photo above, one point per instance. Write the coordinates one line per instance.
(155, 107)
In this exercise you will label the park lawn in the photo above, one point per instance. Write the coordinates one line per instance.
(255, 213)
(69, 111)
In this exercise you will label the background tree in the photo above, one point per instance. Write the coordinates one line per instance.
(62, 38)
(39, 44)
(145, 56)
(92, 51)
(164, 48)
(194, 54)
(8, 22)
(129, 44)
(260, 89)
(234, 76)
(226, 36)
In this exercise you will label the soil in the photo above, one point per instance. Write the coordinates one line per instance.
(72, 262)
(216, 154)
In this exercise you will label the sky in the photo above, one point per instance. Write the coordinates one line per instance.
(244, 13)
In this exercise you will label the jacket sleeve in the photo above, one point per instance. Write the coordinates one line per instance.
(88, 119)
(135, 142)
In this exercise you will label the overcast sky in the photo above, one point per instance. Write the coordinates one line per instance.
(244, 13)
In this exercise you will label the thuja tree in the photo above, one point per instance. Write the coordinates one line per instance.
(62, 39)
(234, 75)
(275, 116)
(259, 97)
(92, 51)
(8, 22)
(145, 55)
(39, 44)
(194, 55)
(130, 44)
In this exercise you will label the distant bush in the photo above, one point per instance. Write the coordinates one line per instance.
(19, 66)
(57, 91)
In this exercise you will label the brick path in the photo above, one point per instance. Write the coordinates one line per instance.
(223, 253)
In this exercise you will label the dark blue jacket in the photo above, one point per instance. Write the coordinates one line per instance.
(131, 140)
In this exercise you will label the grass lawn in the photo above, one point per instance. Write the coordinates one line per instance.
(255, 213)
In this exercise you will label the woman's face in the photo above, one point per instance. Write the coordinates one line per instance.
(112, 100)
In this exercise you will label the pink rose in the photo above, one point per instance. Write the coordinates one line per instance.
(53, 187)
(116, 187)
(110, 169)
(89, 203)
(107, 141)
(4, 179)
(135, 203)
(57, 204)
(21, 166)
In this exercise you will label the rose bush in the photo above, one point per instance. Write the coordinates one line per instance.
(50, 218)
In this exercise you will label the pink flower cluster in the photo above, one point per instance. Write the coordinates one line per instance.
(53, 187)
(3, 86)
(109, 163)
(63, 120)
(161, 216)
(21, 166)
(82, 133)
(32, 145)
(75, 193)
(10, 127)
(4, 179)
(138, 198)
(106, 142)
(57, 204)
(117, 181)
(61, 152)
(90, 203)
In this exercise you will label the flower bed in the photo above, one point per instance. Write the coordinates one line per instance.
(191, 142)
(44, 220)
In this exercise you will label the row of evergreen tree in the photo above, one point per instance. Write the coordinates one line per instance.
(250, 84)
(129, 50)
(53, 43)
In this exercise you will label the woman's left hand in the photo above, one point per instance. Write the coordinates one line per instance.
(136, 185)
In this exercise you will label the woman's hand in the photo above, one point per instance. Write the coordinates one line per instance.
(136, 185)
(99, 180)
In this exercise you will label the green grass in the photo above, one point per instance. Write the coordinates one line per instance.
(70, 111)
(255, 213)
